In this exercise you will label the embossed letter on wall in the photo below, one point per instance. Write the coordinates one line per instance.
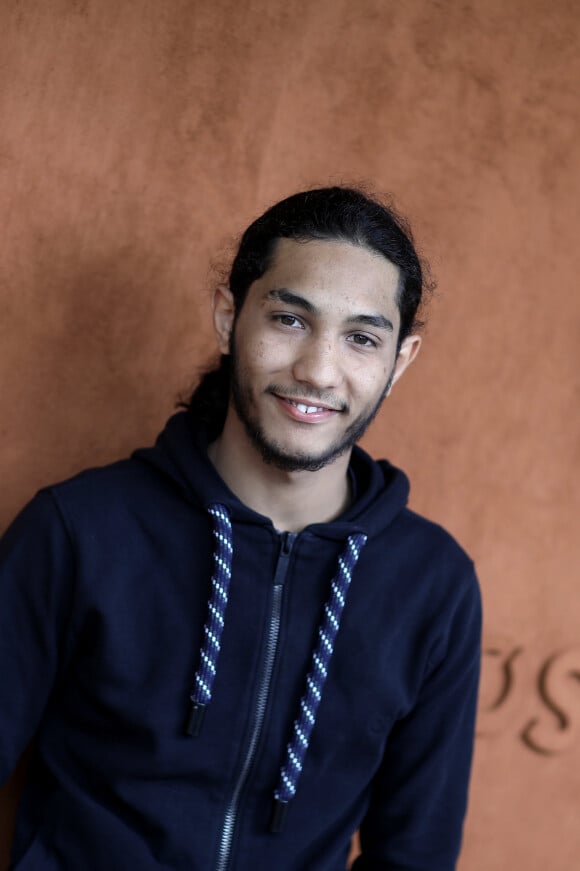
(543, 709)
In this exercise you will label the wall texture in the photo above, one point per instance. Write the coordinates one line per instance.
(137, 140)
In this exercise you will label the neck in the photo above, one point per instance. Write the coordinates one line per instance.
(292, 500)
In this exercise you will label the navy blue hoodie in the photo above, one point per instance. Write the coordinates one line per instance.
(104, 585)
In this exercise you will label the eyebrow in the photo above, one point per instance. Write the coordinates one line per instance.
(290, 298)
(282, 294)
(378, 321)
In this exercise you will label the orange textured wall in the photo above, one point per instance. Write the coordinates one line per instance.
(136, 141)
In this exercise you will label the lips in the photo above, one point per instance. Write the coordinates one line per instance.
(307, 409)
(305, 412)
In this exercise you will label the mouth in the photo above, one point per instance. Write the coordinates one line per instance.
(308, 409)
(302, 409)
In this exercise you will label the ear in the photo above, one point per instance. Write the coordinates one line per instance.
(223, 317)
(407, 353)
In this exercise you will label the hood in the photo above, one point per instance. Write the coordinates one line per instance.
(180, 454)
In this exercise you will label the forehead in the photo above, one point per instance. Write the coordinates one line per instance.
(334, 271)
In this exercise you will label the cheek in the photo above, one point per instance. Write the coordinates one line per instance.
(266, 356)
(274, 354)
(371, 379)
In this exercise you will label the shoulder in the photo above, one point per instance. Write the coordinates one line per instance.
(423, 571)
(102, 496)
(101, 481)
(423, 543)
(447, 571)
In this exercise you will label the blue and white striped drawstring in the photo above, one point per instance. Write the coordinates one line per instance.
(304, 723)
(220, 583)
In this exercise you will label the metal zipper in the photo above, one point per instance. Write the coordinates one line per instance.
(229, 823)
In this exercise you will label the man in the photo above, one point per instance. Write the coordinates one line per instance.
(239, 646)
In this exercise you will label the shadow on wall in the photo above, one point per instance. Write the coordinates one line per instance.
(96, 348)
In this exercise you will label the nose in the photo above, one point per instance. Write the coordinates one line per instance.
(319, 364)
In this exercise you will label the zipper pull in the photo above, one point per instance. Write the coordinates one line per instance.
(287, 543)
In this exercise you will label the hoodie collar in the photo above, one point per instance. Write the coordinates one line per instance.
(180, 454)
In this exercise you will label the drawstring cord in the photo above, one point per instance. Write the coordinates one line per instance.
(220, 583)
(310, 701)
(297, 747)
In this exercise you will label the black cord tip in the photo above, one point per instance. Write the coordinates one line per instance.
(195, 719)
(279, 811)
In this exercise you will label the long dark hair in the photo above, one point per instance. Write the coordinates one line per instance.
(336, 213)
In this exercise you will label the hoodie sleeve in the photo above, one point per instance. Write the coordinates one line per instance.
(419, 795)
(36, 572)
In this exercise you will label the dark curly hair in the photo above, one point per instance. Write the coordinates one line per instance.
(341, 214)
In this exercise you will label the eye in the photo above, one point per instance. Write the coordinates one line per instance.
(361, 340)
(289, 321)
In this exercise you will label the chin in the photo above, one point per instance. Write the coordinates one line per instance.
(291, 458)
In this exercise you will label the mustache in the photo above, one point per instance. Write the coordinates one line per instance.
(314, 396)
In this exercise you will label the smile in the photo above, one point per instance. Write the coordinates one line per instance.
(306, 409)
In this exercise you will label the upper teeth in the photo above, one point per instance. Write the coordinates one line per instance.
(306, 409)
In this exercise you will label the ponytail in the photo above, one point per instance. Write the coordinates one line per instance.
(209, 401)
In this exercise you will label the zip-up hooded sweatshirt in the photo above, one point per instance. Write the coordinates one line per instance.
(204, 692)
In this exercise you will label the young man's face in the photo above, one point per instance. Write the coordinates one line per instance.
(314, 351)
